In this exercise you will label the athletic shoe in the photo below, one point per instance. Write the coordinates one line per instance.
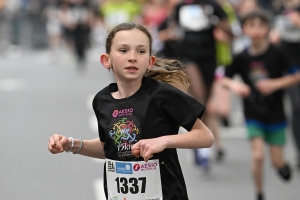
(260, 196)
(285, 172)
(220, 155)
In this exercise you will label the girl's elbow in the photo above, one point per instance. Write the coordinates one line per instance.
(210, 140)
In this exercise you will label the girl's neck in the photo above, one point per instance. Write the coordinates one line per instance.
(127, 89)
(258, 48)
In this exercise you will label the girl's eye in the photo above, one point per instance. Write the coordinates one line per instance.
(123, 50)
(141, 51)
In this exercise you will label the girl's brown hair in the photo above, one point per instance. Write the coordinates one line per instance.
(166, 70)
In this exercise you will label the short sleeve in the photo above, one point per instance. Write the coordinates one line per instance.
(178, 106)
(101, 132)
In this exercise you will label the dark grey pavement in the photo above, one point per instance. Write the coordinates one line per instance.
(41, 96)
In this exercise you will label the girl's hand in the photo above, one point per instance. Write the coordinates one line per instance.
(240, 89)
(146, 148)
(266, 86)
(58, 143)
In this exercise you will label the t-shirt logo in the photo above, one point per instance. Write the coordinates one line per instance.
(258, 71)
(125, 131)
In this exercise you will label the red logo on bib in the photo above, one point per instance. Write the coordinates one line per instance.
(136, 167)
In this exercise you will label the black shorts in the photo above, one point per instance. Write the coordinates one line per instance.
(207, 68)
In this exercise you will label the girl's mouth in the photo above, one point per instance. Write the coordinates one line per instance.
(131, 68)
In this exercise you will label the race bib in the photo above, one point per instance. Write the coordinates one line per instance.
(133, 180)
(193, 18)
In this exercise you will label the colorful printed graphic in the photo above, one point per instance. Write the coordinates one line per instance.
(114, 198)
(258, 71)
(124, 131)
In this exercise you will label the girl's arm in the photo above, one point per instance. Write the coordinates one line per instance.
(199, 137)
(91, 148)
(267, 86)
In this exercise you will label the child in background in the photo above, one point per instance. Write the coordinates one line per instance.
(139, 119)
(262, 67)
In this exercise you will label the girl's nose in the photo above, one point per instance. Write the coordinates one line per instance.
(132, 56)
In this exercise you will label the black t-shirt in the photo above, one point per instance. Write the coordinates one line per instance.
(198, 20)
(271, 64)
(155, 110)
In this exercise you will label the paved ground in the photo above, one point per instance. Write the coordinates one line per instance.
(41, 95)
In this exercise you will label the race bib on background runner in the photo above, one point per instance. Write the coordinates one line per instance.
(193, 18)
(133, 180)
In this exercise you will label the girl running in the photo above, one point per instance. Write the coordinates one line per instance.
(138, 121)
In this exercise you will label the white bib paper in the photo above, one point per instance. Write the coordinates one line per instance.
(133, 180)
(193, 18)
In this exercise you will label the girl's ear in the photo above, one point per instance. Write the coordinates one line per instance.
(105, 60)
(151, 62)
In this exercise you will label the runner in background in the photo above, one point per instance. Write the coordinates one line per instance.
(75, 16)
(262, 68)
(198, 19)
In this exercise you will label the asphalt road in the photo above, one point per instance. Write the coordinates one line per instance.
(41, 95)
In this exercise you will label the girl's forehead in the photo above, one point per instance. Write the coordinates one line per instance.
(134, 36)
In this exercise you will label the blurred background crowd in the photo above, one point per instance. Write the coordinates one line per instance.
(82, 24)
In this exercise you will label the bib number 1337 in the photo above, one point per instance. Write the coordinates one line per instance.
(137, 180)
(132, 185)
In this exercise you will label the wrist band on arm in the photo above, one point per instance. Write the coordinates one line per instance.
(81, 144)
(72, 144)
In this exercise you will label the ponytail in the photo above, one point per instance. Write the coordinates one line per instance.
(170, 71)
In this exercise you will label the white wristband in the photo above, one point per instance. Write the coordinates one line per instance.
(81, 143)
(72, 144)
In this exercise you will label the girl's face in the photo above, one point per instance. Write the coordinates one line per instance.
(256, 29)
(130, 55)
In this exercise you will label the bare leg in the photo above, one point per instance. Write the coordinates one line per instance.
(277, 156)
(279, 163)
(218, 105)
(257, 145)
(197, 88)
